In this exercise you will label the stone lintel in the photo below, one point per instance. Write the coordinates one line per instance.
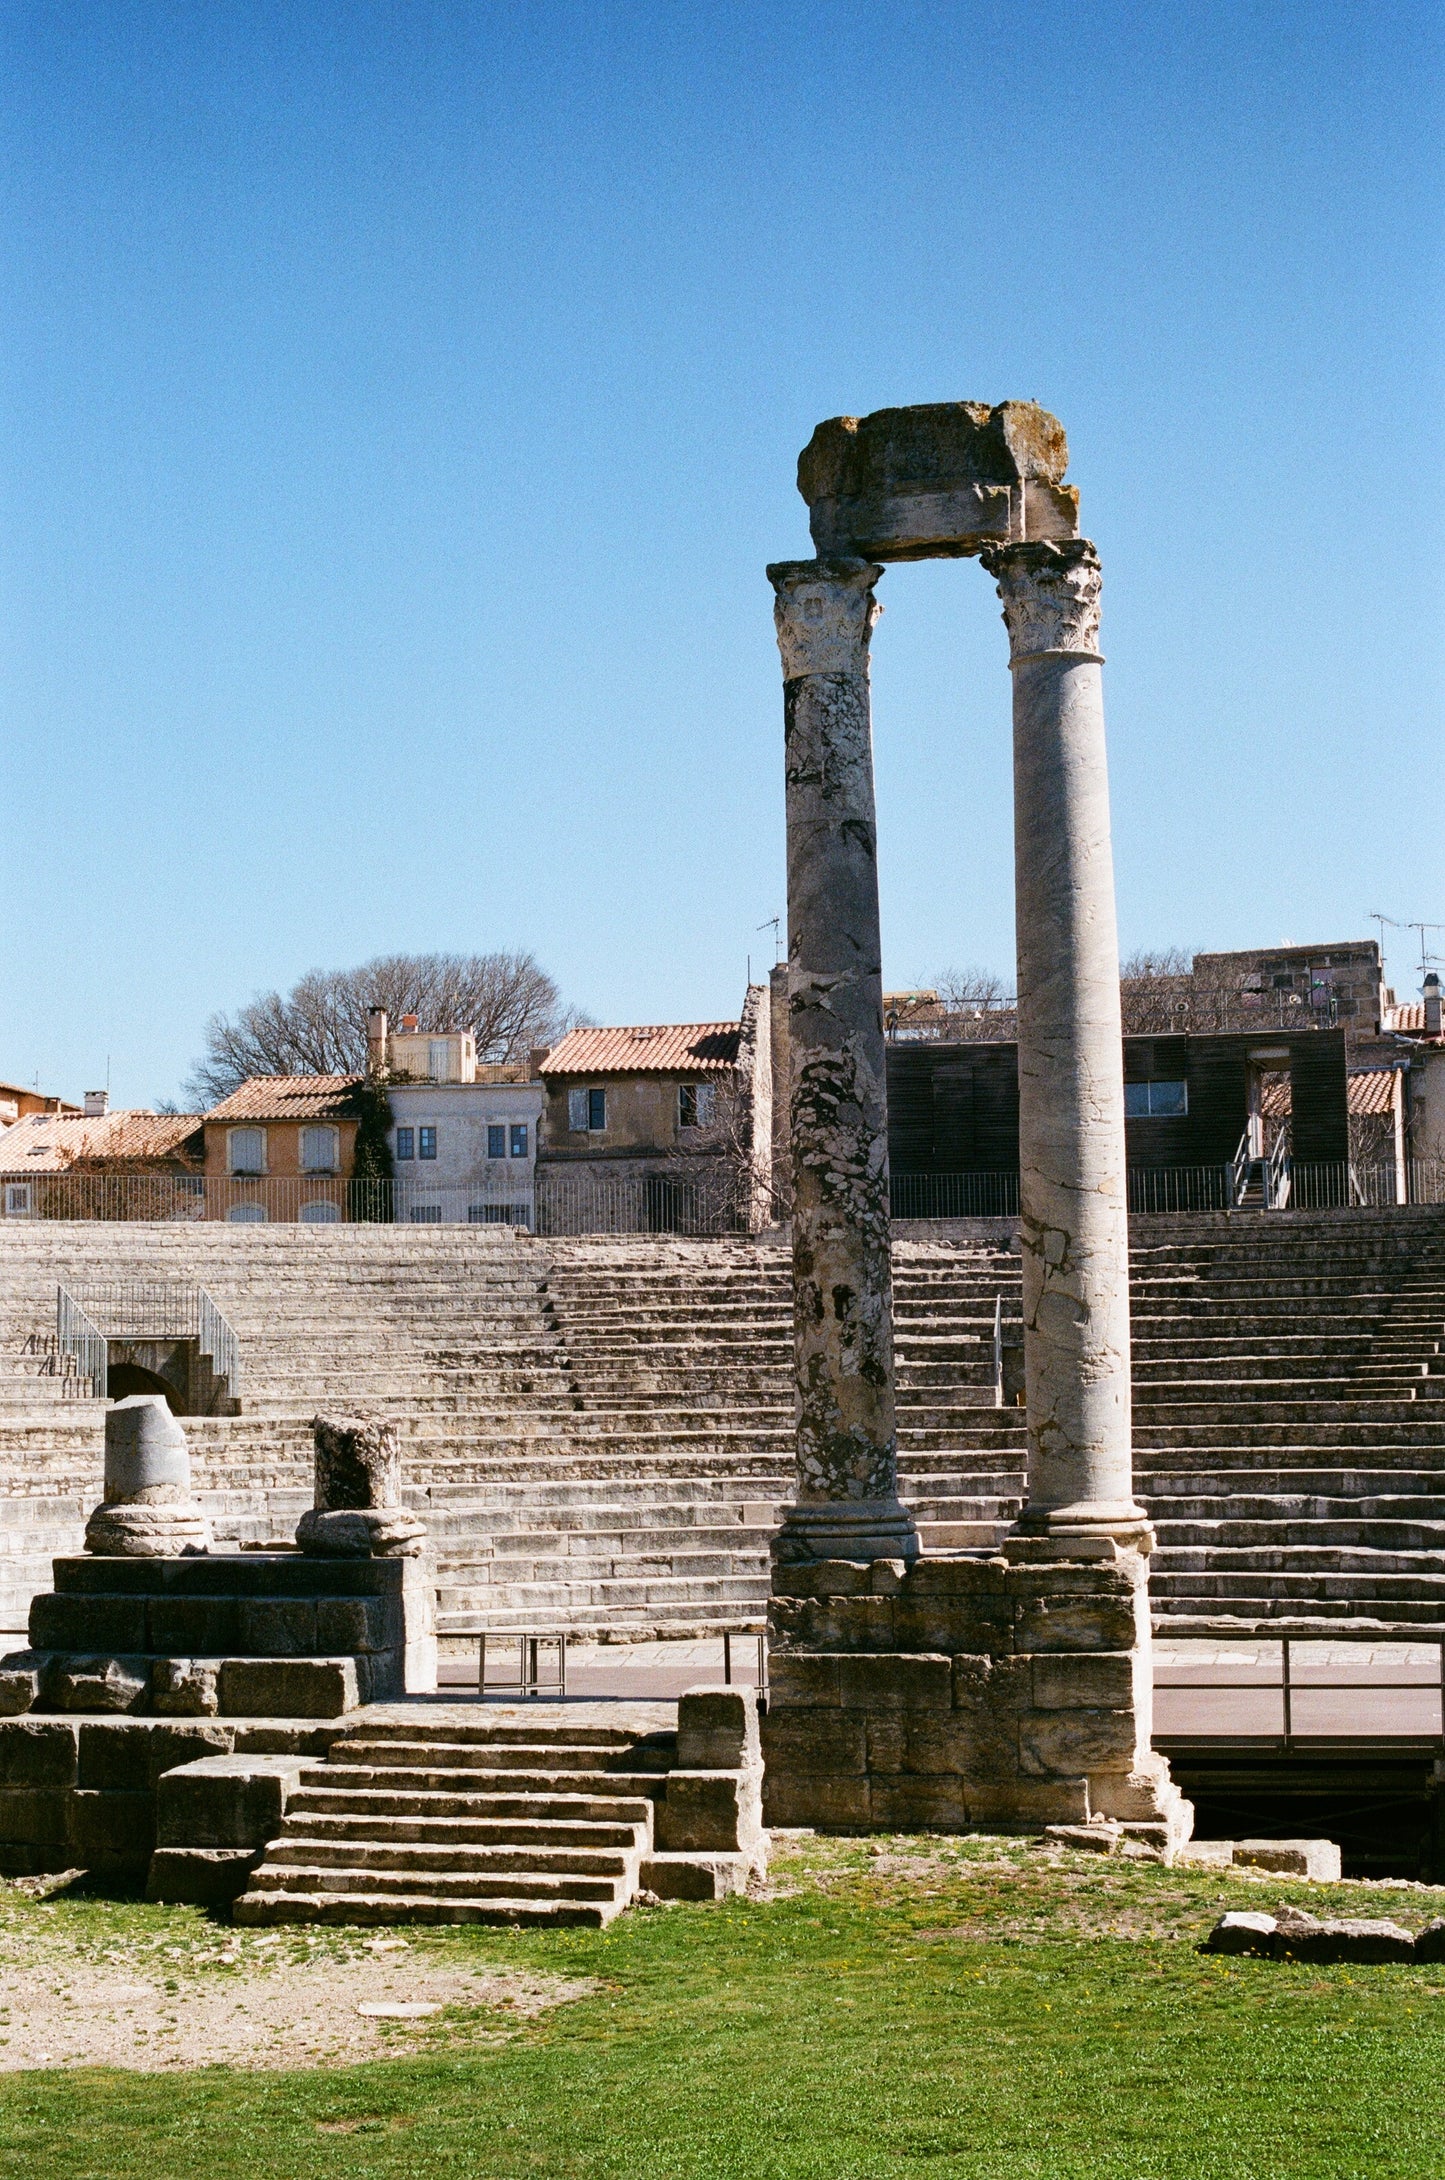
(937, 481)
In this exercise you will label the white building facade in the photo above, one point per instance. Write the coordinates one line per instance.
(465, 1153)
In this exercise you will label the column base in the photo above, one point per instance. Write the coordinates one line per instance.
(856, 1529)
(1102, 1521)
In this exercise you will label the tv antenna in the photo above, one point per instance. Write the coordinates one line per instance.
(775, 925)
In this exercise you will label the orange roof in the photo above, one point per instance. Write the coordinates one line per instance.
(289, 1097)
(1371, 1091)
(678, 1048)
(56, 1142)
(1408, 1016)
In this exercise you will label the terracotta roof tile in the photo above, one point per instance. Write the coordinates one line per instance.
(57, 1142)
(678, 1048)
(289, 1097)
(1371, 1091)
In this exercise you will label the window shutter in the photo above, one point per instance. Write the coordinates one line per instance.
(577, 1109)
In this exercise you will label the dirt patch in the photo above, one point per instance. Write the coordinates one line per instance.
(240, 2000)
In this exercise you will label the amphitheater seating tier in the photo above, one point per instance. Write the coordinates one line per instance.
(598, 1431)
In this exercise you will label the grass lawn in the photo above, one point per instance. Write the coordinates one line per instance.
(938, 2007)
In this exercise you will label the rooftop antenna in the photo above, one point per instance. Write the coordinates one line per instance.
(1395, 925)
(1425, 958)
(775, 925)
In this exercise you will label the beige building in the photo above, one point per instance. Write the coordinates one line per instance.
(674, 1103)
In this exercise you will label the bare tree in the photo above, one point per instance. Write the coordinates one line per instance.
(507, 1000)
(1157, 991)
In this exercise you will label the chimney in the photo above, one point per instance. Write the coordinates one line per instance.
(376, 1041)
(1431, 989)
(97, 1102)
(408, 1022)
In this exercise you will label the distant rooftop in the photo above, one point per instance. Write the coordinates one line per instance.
(289, 1097)
(670, 1048)
(55, 1142)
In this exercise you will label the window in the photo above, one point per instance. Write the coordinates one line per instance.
(247, 1214)
(17, 1200)
(519, 1139)
(321, 1212)
(438, 1057)
(587, 1111)
(248, 1150)
(320, 1150)
(406, 1143)
(426, 1214)
(1156, 1100)
(694, 1104)
(426, 1142)
(496, 1139)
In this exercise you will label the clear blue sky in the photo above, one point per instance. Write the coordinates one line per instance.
(399, 404)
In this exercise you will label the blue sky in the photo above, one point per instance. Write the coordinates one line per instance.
(400, 402)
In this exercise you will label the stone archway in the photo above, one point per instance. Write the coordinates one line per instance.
(976, 1687)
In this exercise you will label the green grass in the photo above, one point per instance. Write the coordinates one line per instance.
(949, 2008)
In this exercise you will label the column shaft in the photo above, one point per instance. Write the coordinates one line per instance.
(1075, 1238)
(847, 1505)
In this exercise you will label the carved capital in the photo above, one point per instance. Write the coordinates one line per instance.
(825, 612)
(1050, 593)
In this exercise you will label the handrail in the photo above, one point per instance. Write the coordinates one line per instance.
(78, 1336)
(998, 1351)
(1239, 1169)
(216, 1338)
(1277, 1173)
(155, 1309)
(1287, 1687)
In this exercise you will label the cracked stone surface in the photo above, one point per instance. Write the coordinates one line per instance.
(842, 1271)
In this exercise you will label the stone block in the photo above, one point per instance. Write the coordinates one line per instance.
(1084, 1680)
(358, 1461)
(186, 1687)
(719, 1811)
(981, 1624)
(810, 1798)
(1088, 1839)
(98, 1684)
(831, 1742)
(1069, 1742)
(1316, 1859)
(288, 1687)
(129, 1755)
(937, 480)
(21, 1677)
(1294, 1935)
(355, 1624)
(1242, 1930)
(908, 1804)
(717, 1729)
(962, 1582)
(112, 1831)
(843, 1623)
(894, 1680)
(87, 1624)
(35, 1816)
(200, 1876)
(1025, 1805)
(374, 1532)
(694, 1876)
(919, 1743)
(804, 1679)
(987, 1688)
(821, 1578)
(196, 1627)
(38, 1752)
(1066, 1578)
(275, 1627)
(1076, 1623)
(230, 1801)
(381, 1677)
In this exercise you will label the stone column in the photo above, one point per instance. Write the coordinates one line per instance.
(1075, 1237)
(847, 1505)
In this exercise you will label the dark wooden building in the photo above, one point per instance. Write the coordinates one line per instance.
(1189, 1100)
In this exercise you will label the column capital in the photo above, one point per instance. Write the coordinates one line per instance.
(1050, 592)
(824, 612)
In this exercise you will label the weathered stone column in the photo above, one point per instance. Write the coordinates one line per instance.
(1075, 1237)
(847, 1505)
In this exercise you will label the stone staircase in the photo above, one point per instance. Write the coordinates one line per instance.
(536, 1821)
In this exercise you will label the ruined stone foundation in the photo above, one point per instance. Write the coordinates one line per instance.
(1002, 1693)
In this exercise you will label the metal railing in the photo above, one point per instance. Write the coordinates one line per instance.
(90, 1317)
(565, 1200)
(1291, 1687)
(82, 1341)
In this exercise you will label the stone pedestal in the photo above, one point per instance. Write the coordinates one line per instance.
(148, 1511)
(972, 1692)
(358, 1512)
(847, 1485)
